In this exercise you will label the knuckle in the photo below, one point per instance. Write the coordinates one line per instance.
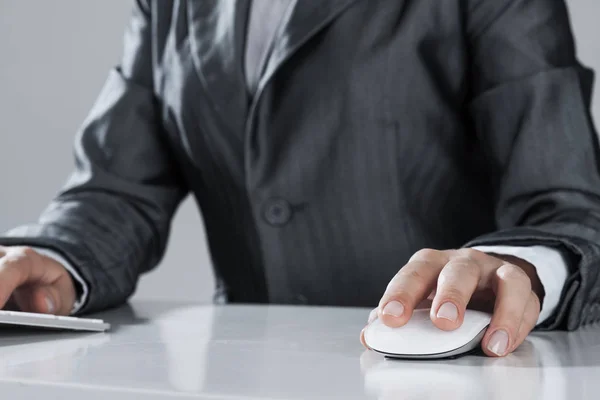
(9, 266)
(17, 258)
(27, 251)
(469, 253)
(462, 266)
(511, 272)
(20, 251)
(425, 255)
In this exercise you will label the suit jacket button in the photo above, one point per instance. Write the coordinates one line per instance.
(277, 212)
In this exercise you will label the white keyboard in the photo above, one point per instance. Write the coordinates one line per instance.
(18, 318)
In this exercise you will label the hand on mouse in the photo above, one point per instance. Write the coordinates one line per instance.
(453, 280)
(32, 282)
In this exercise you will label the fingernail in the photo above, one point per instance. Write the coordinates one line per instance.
(394, 308)
(448, 311)
(498, 342)
(49, 305)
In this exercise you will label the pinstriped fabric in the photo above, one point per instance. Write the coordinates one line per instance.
(387, 126)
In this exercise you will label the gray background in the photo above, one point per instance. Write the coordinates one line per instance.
(54, 58)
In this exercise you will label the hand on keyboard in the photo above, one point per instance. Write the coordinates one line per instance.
(34, 283)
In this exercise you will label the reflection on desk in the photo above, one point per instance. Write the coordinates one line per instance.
(164, 350)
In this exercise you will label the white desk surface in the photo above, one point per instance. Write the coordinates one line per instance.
(160, 350)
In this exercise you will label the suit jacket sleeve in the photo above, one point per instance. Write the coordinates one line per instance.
(112, 218)
(530, 102)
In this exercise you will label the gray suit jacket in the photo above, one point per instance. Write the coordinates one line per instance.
(379, 128)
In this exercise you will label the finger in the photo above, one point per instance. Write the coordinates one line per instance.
(52, 298)
(34, 298)
(455, 286)
(14, 271)
(38, 299)
(410, 285)
(513, 288)
(65, 295)
(530, 318)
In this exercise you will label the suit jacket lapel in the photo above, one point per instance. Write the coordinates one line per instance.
(217, 40)
(307, 19)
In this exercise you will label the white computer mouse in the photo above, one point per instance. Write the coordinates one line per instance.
(421, 339)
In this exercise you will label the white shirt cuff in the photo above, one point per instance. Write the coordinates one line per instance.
(61, 260)
(550, 266)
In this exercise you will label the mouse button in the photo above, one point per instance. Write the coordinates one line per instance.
(411, 339)
(477, 318)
